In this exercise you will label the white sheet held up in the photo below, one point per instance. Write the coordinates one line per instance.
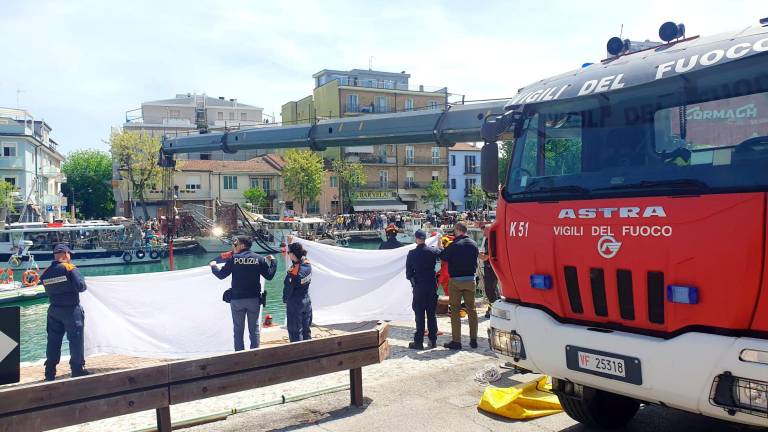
(180, 314)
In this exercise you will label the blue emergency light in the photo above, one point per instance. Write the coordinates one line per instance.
(682, 294)
(541, 281)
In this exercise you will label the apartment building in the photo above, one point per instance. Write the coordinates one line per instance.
(395, 175)
(187, 113)
(463, 175)
(30, 160)
(202, 182)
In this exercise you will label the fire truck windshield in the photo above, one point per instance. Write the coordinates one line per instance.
(705, 134)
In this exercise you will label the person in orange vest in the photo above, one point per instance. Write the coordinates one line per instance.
(443, 276)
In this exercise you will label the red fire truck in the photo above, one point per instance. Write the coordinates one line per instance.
(631, 233)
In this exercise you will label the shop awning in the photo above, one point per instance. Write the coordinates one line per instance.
(379, 205)
(409, 197)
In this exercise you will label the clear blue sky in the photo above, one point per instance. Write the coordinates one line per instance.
(82, 64)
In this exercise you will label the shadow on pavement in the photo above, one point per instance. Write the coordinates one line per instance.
(317, 418)
(405, 334)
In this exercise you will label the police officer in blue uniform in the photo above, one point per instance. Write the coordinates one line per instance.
(298, 306)
(246, 268)
(63, 284)
(420, 270)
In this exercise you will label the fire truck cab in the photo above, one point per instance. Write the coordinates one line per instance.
(630, 239)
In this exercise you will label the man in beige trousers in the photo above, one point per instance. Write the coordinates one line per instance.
(461, 256)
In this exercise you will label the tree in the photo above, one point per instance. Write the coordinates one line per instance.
(351, 176)
(303, 175)
(6, 199)
(435, 194)
(476, 197)
(256, 197)
(137, 155)
(89, 175)
(505, 157)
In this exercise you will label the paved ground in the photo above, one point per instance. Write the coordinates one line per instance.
(436, 399)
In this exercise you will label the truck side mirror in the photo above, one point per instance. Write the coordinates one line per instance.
(489, 168)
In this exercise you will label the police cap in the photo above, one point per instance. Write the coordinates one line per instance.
(61, 248)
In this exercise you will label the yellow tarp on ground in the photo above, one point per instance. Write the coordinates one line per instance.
(522, 401)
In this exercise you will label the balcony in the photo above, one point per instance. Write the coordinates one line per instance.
(414, 185)
(371, 159)
(379, 186)
(367, 109)
(471, 169)
(426, 161)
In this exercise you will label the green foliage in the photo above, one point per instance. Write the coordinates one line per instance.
(505, 156)
(256, 197)
(137, 155)
(477, 197)
(6, 197)
(435, 194)
(89, 173)
(562, 156)
(351, 177)
(303, 175)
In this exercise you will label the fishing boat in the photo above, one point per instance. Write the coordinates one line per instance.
(93, 243)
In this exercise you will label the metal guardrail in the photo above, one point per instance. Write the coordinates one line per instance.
(69, 402)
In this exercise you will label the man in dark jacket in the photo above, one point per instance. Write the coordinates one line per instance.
(63, 284)
(461, 256)
(392, 242)
(246, 268)
(420, 270)
(298, 305)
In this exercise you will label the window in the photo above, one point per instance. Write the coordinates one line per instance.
(453, 160)
(469, 183)
(205, 156)
(409, 104)
(220, 115)
(9, 149)
(266, 185)
(313, 207)
(11, 180)
(382, 104)
(174, 114)
(352, 103)
(433, 104)
(192, 183)
(231, 115)
(243, 116)
(410, 180)
(230, 182)
(384, 179)
(470, 166)
(409, 154)
(435, 175)
(435, 155)
(334, 181)
(453, 184)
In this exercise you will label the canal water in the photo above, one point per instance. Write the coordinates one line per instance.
(33, 312)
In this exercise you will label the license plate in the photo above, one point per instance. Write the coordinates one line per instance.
(598, 363)
(604, 364)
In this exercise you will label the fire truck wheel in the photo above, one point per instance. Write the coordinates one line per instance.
(602, 410)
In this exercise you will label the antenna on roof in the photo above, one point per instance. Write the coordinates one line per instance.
(370, 63)
(621, 32)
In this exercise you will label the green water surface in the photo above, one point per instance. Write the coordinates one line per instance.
(33, 312)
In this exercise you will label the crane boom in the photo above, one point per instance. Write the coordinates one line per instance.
(446, 127)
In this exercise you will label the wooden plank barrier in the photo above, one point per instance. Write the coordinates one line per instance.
(67, 402)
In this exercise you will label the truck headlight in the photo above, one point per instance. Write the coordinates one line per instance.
(506, 343)
(740, 394)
